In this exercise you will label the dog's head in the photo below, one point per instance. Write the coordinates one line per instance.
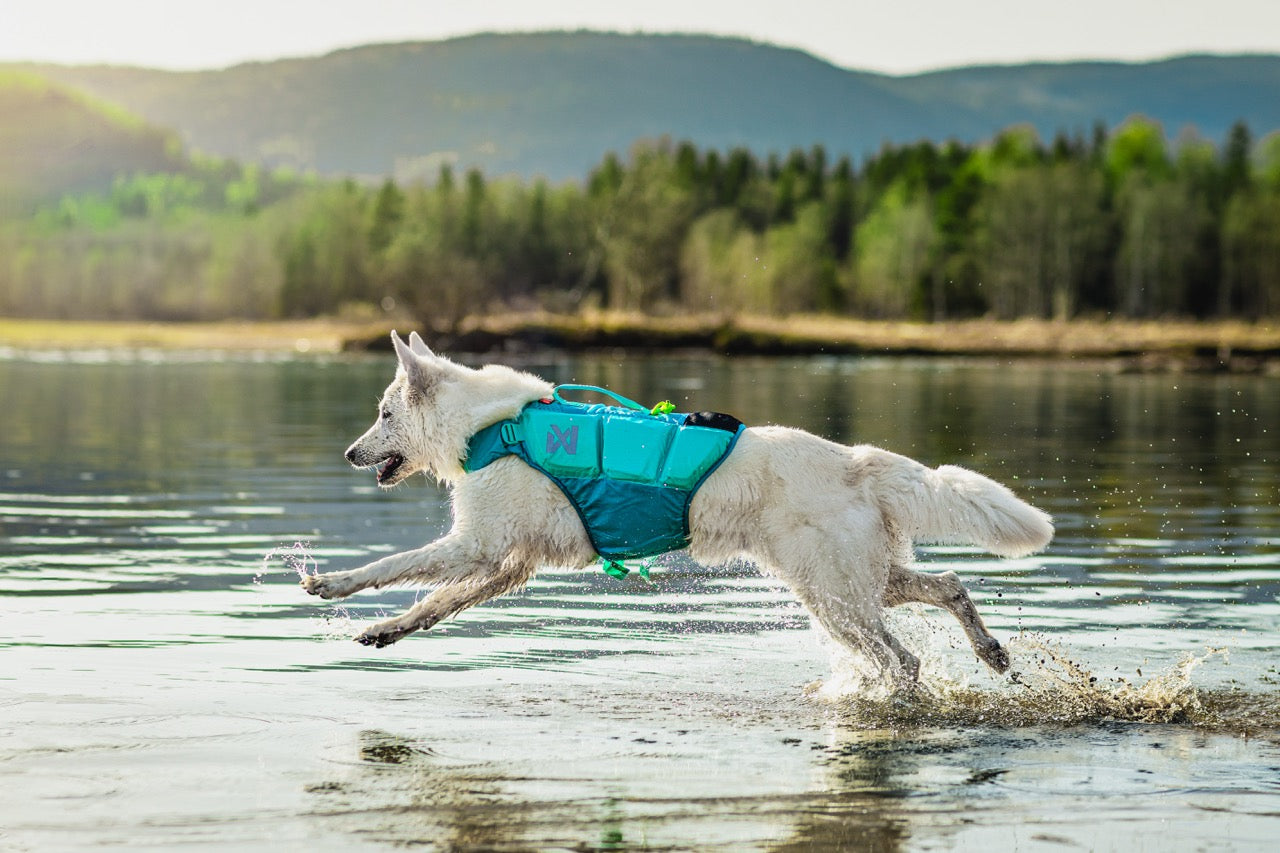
(402, 440)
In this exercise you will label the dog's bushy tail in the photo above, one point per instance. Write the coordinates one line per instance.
(953, 505)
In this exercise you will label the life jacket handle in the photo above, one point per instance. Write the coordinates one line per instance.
(628, 404)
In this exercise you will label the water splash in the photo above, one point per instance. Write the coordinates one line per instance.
(296, 558)
(1049, 685)
(1050, 678)
(855, 675)
(337, 622)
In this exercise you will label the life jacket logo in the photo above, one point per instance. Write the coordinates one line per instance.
(568, 439)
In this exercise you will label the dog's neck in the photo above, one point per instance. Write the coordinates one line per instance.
(502, 393)
(493, 393)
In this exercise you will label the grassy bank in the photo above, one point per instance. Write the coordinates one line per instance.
(318, 336)
(1226, 345)
(1230, 345)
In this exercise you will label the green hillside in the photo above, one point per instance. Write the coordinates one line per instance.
(55, 140)
(549, 104)
(553, 103)
(1208, 93)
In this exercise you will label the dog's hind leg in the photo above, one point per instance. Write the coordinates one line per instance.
(448, 600)
(872, 640)
(946, 591)
(837, 568)
(452, 554)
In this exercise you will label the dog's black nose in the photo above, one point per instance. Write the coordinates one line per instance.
(351, 454)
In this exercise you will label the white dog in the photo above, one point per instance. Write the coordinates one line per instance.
(835, 523)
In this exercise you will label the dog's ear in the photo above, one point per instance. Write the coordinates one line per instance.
(419, 346)
(415, 370)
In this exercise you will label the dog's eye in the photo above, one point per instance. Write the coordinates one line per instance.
(386, 414)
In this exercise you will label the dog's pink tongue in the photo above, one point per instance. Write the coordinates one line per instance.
(388, 465)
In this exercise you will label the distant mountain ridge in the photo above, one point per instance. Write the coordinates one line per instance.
(553, 103)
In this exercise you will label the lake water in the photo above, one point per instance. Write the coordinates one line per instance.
(165, 684)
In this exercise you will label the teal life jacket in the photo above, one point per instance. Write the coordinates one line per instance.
(630, 473)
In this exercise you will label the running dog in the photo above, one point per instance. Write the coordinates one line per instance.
(834, 523)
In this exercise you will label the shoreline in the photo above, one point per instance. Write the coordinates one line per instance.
(1227, 346)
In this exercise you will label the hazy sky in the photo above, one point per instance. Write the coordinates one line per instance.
(894, 36)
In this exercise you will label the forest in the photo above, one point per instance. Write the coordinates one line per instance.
(1119, 223)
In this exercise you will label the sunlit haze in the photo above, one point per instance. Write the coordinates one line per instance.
(902, 37)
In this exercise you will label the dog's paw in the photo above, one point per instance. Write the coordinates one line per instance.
(328, 586)
(383, 634)
(994, 655)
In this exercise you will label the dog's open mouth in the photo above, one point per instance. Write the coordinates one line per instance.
(388, 467)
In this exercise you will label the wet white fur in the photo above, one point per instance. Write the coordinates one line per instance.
(835, 523)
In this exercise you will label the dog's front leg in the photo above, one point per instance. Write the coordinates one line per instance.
(450, 599)
(427, 564)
